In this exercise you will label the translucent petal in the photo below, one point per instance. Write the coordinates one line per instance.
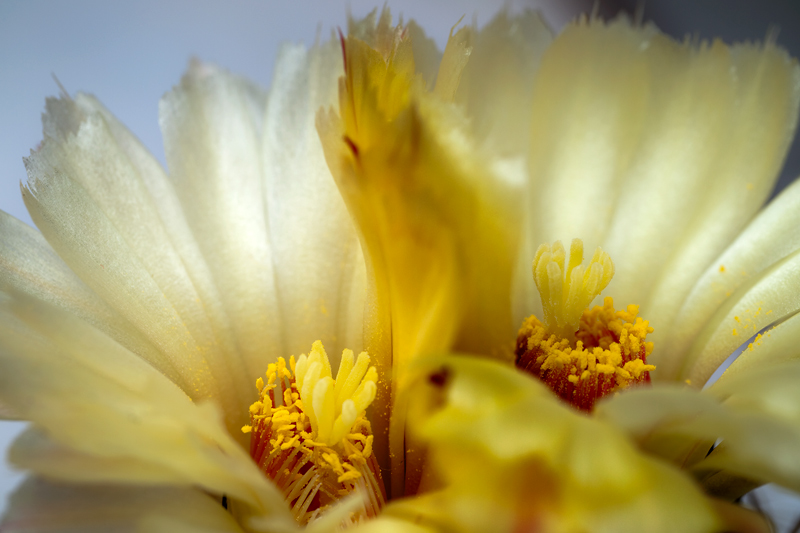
(28, 264)
(95, 398)
(657, 151)
(778, 345)
(496, 85)
(33, 451)
(765, 298)
(212, 123)
(40, 505)
(91, 203)
(767, 240)
(319, 267)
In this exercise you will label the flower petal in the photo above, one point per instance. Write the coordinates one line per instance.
(212, 123)
(34, 451)
(765, 298)
(40, 505)
(319, 268)
(767, 241)
(496, 84)
(94, 398)
(755, 415)
(28, 264)
(91, 201)
(780, 344)
(657, 151)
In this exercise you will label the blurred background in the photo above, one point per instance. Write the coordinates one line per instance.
(129, 54)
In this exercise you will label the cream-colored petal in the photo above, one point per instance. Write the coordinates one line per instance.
(778, 345)
(765, 298)
(40, 505)
(211, 125)
(91, 202)
(657, 151)
(29, 264)
(33, 451)
(319, 267)
(164, 198)
(455, 57)
(496, 84)
(758, 124)
(767, 240)
(94, 397)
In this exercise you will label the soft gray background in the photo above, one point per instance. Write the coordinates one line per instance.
(129, 54)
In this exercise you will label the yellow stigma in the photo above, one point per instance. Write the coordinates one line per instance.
(581, 354)
(566, 290)
(310, 434)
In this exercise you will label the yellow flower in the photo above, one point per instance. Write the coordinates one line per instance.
(662, 154)
(135, 325)
(653, 149)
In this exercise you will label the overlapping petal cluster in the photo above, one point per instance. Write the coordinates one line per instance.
(390, 198)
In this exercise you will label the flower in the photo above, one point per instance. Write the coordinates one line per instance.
(136, 324)
(699, 133)
(482, 483)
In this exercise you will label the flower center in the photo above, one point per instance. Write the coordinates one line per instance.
(581, 354)
(309, 433)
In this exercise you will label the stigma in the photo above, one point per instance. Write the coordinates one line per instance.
(582, 354)
(309, 433)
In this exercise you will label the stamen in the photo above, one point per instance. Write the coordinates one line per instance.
(581, 354)
(310, 434)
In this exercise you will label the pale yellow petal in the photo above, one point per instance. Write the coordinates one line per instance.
(212, 123)
(94, 397)
(437, 227)
(91, 203)
(29, 264)
(766, 297)
(455, 57)
(756, 417)
(655, 150)
(319, 267)
(427, 56)
(775, 346)
(40, 505)
(767, 240)
(496, 84)
(34, 452)
(668, 421)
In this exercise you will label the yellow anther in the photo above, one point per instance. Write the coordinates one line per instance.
(566, 290)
